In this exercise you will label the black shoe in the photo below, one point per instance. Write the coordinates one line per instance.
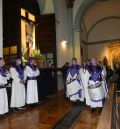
(93, 109)
(15, 109)
(22, 108)
(32, 105)
(40, 102)
(99, 110)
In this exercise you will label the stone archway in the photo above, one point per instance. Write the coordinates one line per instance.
(79, 9)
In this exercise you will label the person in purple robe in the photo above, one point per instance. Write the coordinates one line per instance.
(74, 86)
(31, 73)
(96, 91)
(18, 87)
(4, 77)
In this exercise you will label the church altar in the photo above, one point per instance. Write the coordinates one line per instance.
(114, 53)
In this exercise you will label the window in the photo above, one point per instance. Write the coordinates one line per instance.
(9, 53)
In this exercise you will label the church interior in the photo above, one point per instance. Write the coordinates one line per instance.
(55, 32)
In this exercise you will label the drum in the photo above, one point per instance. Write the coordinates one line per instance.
(73, 88)
(96, 92)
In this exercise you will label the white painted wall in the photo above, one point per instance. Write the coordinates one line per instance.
(98, 51)
(84, 57)
(63, 54)
(1, 30)
(63, 50)
(77, 47)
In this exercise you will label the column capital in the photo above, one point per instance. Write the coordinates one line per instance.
(76, 30)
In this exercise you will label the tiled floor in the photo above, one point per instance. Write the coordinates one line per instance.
(43, 116)
(46, 115)
(87, 120)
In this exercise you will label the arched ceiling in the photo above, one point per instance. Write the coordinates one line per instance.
(79, 9)
(101, 10)
(46, 6)
(102, 21)
(100, 18)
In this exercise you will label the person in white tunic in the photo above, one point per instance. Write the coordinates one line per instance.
(74, 86)
(18, 87)
(104, 83)
(4, 76)
(95, 78)
(31, 72)
(85, 78)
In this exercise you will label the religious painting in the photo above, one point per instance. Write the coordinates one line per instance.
(116, 58)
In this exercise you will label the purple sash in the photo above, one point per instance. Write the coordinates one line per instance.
(31, 78)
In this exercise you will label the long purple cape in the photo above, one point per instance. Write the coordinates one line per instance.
(20, 71)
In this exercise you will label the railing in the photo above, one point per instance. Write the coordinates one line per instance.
(106, 115)
(115, 123)
(110, 116)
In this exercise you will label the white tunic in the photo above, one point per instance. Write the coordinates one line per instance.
(74, 89)
(18, 90)
(95, 104)
(85, 78)
(32, 89)
(3, 94)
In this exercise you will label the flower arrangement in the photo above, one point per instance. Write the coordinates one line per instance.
(35, 53)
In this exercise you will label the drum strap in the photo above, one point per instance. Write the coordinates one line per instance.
(75, 79)
(3, 86)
